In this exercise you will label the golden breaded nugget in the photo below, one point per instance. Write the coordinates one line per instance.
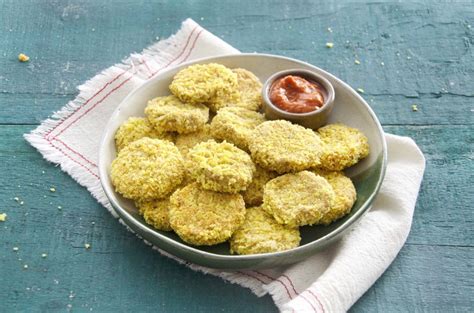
(220, 167)
(344, 146)
(284, 147)
(213, 84)
(203, 217)
(235, 125)
(147, 169)
(260, 233)
(298, 199)
(184, 142)
(155, 213)
(250, 89)
(345, 192)
(135, 128)
(253, 195)
(170, 114)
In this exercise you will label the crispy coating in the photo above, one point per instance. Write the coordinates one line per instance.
(260, 233)
(147, 169)
(345, 192)
(203, 217)
(170, 114)
(155, 213)
(184, 142)
(235, 125)
(298, 199)
(135, 128)
(344, 146)
(213, 84)
(250, 89)
(284, 147)
(253, 195)
(220, 167)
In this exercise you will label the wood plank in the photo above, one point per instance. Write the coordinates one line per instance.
(428, 60)
(443, 214)
(423, 279)
(404, 37)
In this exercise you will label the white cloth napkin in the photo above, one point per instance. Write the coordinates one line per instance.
(330, 281)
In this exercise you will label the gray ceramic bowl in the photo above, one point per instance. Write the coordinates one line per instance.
(313, 119)
(349, 108)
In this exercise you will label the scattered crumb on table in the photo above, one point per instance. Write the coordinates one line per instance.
(23, 57)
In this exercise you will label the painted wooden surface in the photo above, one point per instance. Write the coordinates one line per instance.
(416, 53)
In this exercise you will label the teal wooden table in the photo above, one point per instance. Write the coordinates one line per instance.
(410, 54)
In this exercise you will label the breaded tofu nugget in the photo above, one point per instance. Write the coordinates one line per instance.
(184, 142)
(170, 114)
(253, 195)
(250, 89)
(213, 84)
(298, 199)
(155, 213)
(344, 146)
(284, 147)
(220, 167)
(203, 217)
(345, 192)
(147, 169)
(135, 128)
(260, 233)
(235, 125)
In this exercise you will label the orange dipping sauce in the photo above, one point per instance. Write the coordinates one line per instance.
(295, 94)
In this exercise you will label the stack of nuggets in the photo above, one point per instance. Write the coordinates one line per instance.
(196, 177)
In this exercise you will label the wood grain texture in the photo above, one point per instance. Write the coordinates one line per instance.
(427, 58)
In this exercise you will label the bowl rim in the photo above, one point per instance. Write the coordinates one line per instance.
(128, 218)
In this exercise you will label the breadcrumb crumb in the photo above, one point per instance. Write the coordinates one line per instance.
(23, 57)
(329, 45)
(3, 217)
(414, 108)
(87, 246)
